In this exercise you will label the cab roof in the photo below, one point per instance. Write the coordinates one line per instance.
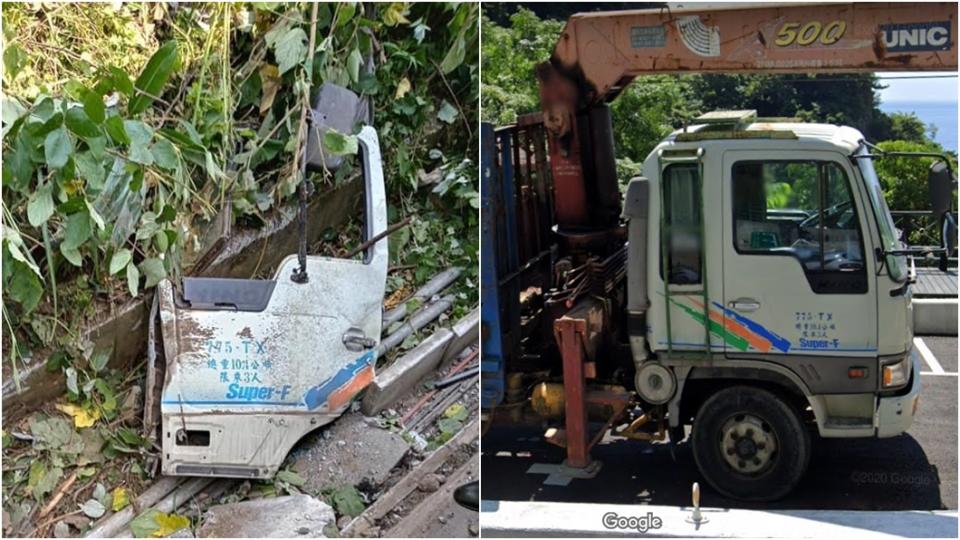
(843, 138)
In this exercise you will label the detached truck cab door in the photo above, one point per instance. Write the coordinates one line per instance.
(253, 365)
(799, 280)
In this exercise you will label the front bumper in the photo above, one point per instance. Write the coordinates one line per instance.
(895, 413)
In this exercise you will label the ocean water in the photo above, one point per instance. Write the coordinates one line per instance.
(941, 114)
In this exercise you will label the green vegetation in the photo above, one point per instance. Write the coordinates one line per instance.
(128, 128)
(653, 106)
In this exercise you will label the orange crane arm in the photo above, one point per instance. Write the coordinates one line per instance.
(607, 50)
(599, 54)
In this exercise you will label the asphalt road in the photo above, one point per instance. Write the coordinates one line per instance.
(915, 471)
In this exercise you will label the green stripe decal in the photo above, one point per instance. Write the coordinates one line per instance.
(715, 328)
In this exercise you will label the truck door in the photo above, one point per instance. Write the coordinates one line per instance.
(797, 280)
(253, 365)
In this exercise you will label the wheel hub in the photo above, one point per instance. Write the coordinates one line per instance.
(748, 444)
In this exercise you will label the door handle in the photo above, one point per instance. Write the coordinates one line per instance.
(355, 340)
(745, 305)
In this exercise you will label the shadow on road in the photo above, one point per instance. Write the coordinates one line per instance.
(849, 474)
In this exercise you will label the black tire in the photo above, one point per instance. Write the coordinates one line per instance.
(726, 412)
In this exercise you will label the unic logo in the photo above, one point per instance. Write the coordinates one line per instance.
(642, 524)
(930, 36)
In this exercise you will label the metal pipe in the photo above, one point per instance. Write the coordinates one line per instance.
(436, 284)
(472, 372)
(416, 321)
(173, 501)
(110, 526)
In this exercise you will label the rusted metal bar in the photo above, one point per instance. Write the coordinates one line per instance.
(569, 333)
(426, 397)
(578, 334)
(390, 230)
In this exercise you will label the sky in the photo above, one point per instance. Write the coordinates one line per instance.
(932, 90)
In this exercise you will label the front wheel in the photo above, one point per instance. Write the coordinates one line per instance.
(749, 444)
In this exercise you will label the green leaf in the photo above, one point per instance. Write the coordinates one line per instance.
(99, 359)
(393, 15)
(93, 508)
(140, 136)
(153, 77)
(144, 525)
(346, 12)
(71, 375)
(121, 81)
(40, 206)
(121, 499)
(13, 244)
(448, 113)
(38, 469)
(449, 425)
(353, 65)
(164, 154)
(347, 501)
(95, 216)
(57, 148)
(133, 279)
(290, 477)
(114, 127)
(167, 214)
(109, 398)
(454, 56)
(154, 270)
(90, 169)
(339, 144)
(42, 480)
(290, 49)
(13, 60)
(72, 255)
(56, 433)
(120, 260)
(24, 287)
(77, 230)
(456, 412)
(79, 122)
(93, 104)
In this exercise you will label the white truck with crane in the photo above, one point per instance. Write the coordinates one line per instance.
(751, 286)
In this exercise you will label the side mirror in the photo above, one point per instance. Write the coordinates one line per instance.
(334, 107)
(941, 182)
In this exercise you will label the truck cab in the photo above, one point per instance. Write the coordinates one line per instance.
(766, 295)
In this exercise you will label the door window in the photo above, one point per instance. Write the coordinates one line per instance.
(804, 210)
(682, 219)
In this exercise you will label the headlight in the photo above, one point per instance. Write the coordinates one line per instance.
(896, 373)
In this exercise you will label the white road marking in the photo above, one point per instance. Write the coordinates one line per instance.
(928, 356)
(930, 373)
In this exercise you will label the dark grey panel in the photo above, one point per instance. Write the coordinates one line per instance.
(227, 293)
(213, 470)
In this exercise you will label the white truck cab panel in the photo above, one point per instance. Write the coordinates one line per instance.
(777, 288)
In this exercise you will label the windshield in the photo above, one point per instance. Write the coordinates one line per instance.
(897, 264)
